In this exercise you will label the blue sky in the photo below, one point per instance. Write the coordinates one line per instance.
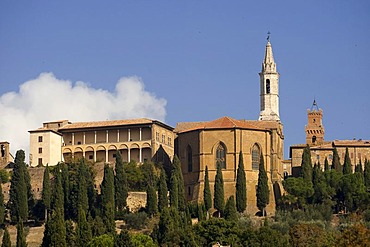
(199, 59)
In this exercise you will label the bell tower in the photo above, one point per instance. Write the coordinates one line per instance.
(269, 86)
(314, 128)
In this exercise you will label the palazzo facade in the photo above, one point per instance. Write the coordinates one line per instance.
(136, 139)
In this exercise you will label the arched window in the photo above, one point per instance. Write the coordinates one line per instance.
(268, 86)
(189, 157)
(313, 139)
(221, 155)
(256, 153)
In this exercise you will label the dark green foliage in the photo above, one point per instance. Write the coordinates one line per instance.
(104, 240)
(2, 206)
(107, 198)
(299, 189)
(262, 187)
(162, 192)
(83, 229)
(123, 239)
(322, 192)
(136, 221)
(71, 239)
(347, 166)
(83, 202)
(120, 184)
(151, 201)
(352, 192)
(241, 186)
(181, 186)
(6, 239)
(4, 176)
(21, 236)
(135, 177)
(230, 210)
(55, 230)
(336, 161)
(367, 174)
(217, 230)
(97, 225)
(219, 196)
(207, 197)
(46, 189)
(58, 193)
(142, 240)
(18, 201)
(326, 164)
(202, 215)
(68, 212)
(174, 191)
(358, 168)
(306, 165)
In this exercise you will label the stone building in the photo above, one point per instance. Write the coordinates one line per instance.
(359, 150)
(202, 144)
(136, 139)
(5, 155)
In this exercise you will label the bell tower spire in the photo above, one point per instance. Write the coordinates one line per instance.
(269, 86)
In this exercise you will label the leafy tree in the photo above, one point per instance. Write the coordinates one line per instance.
(169, 230)
(336, 161)
(151, 200)
(347, 166)
(97, 225)
(21, 236)
(326, 164)
(219, 195)
(162, 192)
(241, 186)
(262, 187)
(107, 198)
(18, 201)
(352, 191)
(207, 197)
(307, 234)
(120, 184)
(4, 176)
(103, 240)
(83, 230)
(181, 186)
(46, 191)
(354, 235)
(123, 239)
(174, 191)
(358, 167)
(306, 165)
(142, 240)
(6, 239)
(230, 210)
(299, 189)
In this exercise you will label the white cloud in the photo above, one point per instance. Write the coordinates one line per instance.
(47, 98)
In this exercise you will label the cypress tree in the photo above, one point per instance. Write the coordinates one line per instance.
(162, 191)
(219, 196)
(336, 161)
(120, 184)
(21, 237)
(151, 200)
(241, 186)
(55, 230)
(18, 203)
(230, 210)
(6, 239)
(2, 206)
(82, 199)
(367, 174)
(107, 197)
(326, 164)
(83, 229)
(71, 240)
(201, 212)
(58, 194)
(207, 197)
(306, 165)
(181, 185)
(123, 239)
(46, 191)
(66, 191)
(262, 187)
(347, 166)
(174, 192)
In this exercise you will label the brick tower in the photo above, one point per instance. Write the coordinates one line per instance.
(314, 128)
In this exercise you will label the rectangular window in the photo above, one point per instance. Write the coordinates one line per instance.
(40, 162)
(40, 138)
(40, 150)
(351, 155)
(91, 157)
(163, 138)
(157, 136)
(169, 141)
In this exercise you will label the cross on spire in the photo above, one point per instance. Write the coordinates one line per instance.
(268, 36)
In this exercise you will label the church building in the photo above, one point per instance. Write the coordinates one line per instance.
(205, 144)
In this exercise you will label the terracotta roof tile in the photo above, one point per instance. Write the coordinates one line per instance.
(110, 123)
(226, 123)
